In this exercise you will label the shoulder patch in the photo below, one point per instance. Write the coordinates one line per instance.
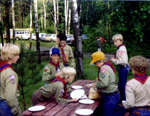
(102, 75)
(12, 78)
(104, 70)
(45, 69)
(121, 52)
(127, 85)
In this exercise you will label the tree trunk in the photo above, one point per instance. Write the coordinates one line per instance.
(109, 25)
(22, 13)
(78, 40)
(13, 20)
(69, 21)
(57, 12)
(44, 14)
(66, 2)
(42, 19)
(55, 21)
(30, 24)
(0, 13)
(7, 24)
(37, 31)
(1, 34)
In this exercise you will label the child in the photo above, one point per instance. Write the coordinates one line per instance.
(121, 59)
(106, 84)
(9, 81)
(138, 88)
(66, 51)
(58, 88)
(102, 40)
(99, 44)
(52, 69)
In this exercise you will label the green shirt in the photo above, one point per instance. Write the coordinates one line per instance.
(49, 72)
(55, 89)
(9, 90)
(107, 77)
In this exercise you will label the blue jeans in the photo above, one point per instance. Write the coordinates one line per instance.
(136, 112)
(123, 73)
(5, 110)
(110, 104)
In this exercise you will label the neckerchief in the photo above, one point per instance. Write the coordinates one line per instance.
(110, 65)
(56, 65)
(4, 65)
(117, 49)
(65, 85)
(63, 55)
(141, 77)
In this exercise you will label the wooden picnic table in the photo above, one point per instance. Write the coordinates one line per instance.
(54, 109)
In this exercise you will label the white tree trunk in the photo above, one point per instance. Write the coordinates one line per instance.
(55, 20)
(57, 11)
(69, 21)
(30, 24)
(42, 19)
(66, 14)
(13, 20)
(44, 14)
(78, 40)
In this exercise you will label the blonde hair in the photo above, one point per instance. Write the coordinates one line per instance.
(9, 51)
(139, 64)
(117, 37)
(67, 72)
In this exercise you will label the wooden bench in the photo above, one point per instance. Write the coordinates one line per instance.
(54, 109)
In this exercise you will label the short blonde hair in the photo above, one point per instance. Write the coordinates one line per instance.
(9, 51)
(139, 64)
(67, 72)
(117, 37)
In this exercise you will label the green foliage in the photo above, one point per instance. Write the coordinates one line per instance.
(1, 27)
(28, 70)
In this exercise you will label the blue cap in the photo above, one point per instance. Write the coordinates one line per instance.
(54, 51)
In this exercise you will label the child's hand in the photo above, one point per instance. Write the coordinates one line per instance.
(89, 85)
(75, 99)
(57, 74)
(111, 59)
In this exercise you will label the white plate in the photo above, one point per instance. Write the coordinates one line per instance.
(86, 101)
(36, 108)
(84, 112)
(77, 93)
(76, 87)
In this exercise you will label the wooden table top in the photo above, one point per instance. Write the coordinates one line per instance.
(54, 109)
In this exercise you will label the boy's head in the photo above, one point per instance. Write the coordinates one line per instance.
(10, 52)
(138, 64)
(117, 39)
(98, 58)
(62, 38)
(54, 54)
(68, 73)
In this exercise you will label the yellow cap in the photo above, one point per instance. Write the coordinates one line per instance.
(97, 56)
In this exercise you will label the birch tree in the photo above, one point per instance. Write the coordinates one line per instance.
(57, 11)
(30, 24)
(41, 18)
(37, 30)
(66, 14)
(69, 21)
(55, 20)
(78, 40)
(1, 28)
(44, 14)
(13, 19)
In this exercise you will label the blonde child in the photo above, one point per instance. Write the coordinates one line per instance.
(58, 88)
(9, 81)
(121, 60)
(138, 88)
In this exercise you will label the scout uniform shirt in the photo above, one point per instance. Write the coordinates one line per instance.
(55, 89)
(121, 56)
(50, 71)
(107, 79)
(9, 89)
(137, 93)
(69, 55)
